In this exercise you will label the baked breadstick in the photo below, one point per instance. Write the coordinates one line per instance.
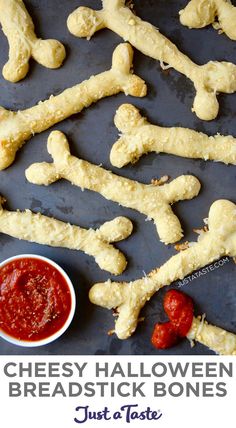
(217, 339)
(200, 13)
(17, 127)
(150, 200)
(140, 137)
(208, 79)
(129, 298)
(55, 233)
(18, 27)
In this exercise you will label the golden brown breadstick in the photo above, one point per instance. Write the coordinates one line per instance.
(217, 339)
(18, 27)
(208, 79)
(140, 137)
(200, 13)
(150, 200)
(17, 127)
(129, 298)
(55, 233)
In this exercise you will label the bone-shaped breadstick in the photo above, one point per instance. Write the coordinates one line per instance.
(200, 13)
(150, 200)
(208, 79)
(217, 339)
(129, 298)
(18, 27)
(17, 127)
(140, 137)
(55, 233)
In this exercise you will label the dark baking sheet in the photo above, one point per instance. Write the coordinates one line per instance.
(91, 135)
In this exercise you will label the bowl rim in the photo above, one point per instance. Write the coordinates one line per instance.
(58, 333)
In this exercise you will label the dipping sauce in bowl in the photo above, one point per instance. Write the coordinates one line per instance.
(37, 300)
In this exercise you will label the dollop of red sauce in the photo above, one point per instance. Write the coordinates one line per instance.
(179, 308)
(35, 299)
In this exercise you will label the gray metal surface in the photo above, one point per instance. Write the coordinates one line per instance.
(91, 136)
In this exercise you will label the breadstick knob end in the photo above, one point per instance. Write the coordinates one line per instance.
(49, 53)
(206, 105)
(84, 22)
(13, 72)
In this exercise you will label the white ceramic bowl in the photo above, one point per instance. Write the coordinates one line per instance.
(58, 333)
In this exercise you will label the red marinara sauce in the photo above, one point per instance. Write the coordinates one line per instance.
(35, 299)
(179, 308)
